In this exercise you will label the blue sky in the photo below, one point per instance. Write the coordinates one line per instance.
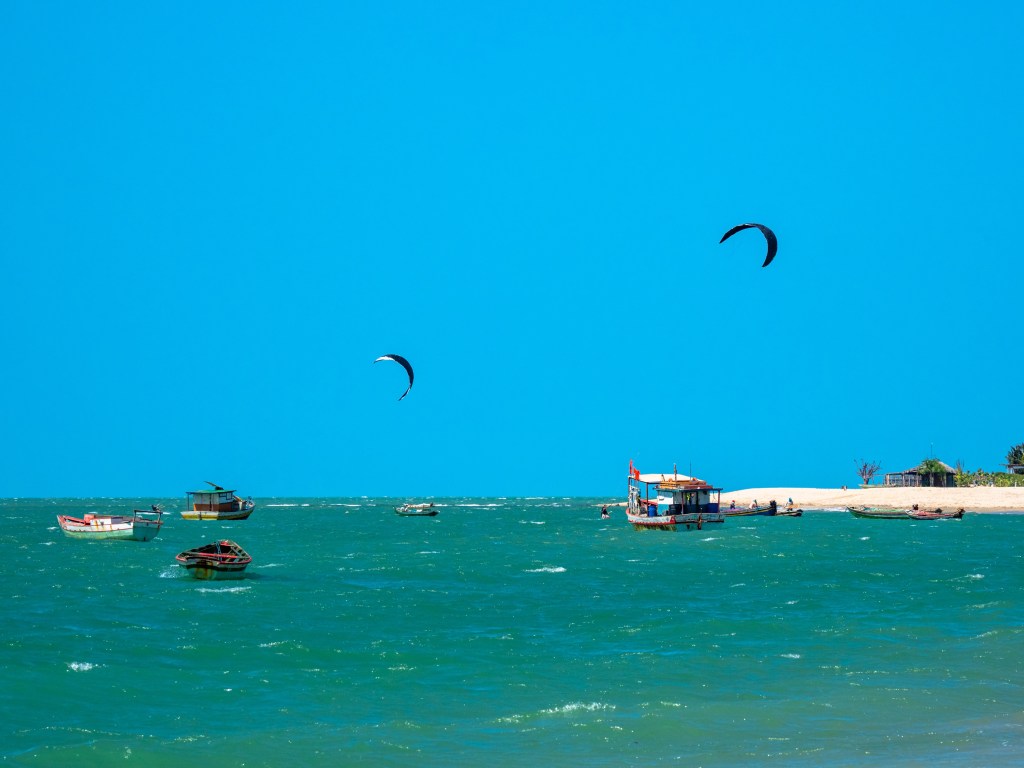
(214, 219)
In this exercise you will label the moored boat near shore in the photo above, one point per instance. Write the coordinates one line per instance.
(220, 560)
(677, 501)
(879, 513)
(769, 510)
(216, 504)
(141, 525)
(935, 514)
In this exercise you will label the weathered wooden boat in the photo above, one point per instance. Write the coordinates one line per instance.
(678, 501)
(216, 504)
(769, 510)
(416, 510)
(141, 525)
(879, 513)
(220, 560)
(935, 514)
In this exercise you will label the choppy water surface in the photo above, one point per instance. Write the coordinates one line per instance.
(508, 632)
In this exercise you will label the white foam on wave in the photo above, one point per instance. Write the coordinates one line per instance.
(547, 569)
(790, 655)
(975, 576)
(271, 565)
(170, 572)
(81, 666)
(284, 505)
(223, 589)
(531, 522)
(577, 706)
(479, 505)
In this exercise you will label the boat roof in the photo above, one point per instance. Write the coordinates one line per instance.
(675, 479)
(210, 491)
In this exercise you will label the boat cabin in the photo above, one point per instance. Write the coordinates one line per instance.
(218, 500)
(658, 494)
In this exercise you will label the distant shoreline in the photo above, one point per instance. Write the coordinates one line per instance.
(978, 499)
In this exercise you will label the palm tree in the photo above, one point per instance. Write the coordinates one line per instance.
(1016, 456)
(930, 468)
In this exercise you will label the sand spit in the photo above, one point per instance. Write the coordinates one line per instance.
(980, 499)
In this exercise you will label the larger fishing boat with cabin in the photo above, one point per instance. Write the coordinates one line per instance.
(666, 502)
(216, 504)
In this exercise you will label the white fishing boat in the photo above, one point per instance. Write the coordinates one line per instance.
(141, 525)
(216, 504)
(416, 510)
(670, 501)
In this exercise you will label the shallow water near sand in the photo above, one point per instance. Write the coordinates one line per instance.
(511, 632)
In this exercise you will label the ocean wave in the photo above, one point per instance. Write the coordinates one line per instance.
(577, 706)
(284, 505)
(546, 569)
(82, 666)
(223, 589)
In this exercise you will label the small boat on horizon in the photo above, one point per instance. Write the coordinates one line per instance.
(677, 501)
(216, 561)
(141, 525)
(216, 504)
(416, 510)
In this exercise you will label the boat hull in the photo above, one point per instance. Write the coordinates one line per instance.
(766, 511)
(937, 514)
(210, 572)
(687, 522)
(880, 514)
(218, 561)
(235, 514)
(110, 528)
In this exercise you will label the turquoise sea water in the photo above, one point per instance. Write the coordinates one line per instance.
(513, 632)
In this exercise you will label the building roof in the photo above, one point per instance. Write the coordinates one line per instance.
(916, 470)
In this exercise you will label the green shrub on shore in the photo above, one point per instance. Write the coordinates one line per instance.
(981, 477)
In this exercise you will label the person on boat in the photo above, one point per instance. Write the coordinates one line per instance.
(604, 512)
(733, 504)
(789, 503)
(753, 504)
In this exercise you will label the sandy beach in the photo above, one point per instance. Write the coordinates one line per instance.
(980, 499)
